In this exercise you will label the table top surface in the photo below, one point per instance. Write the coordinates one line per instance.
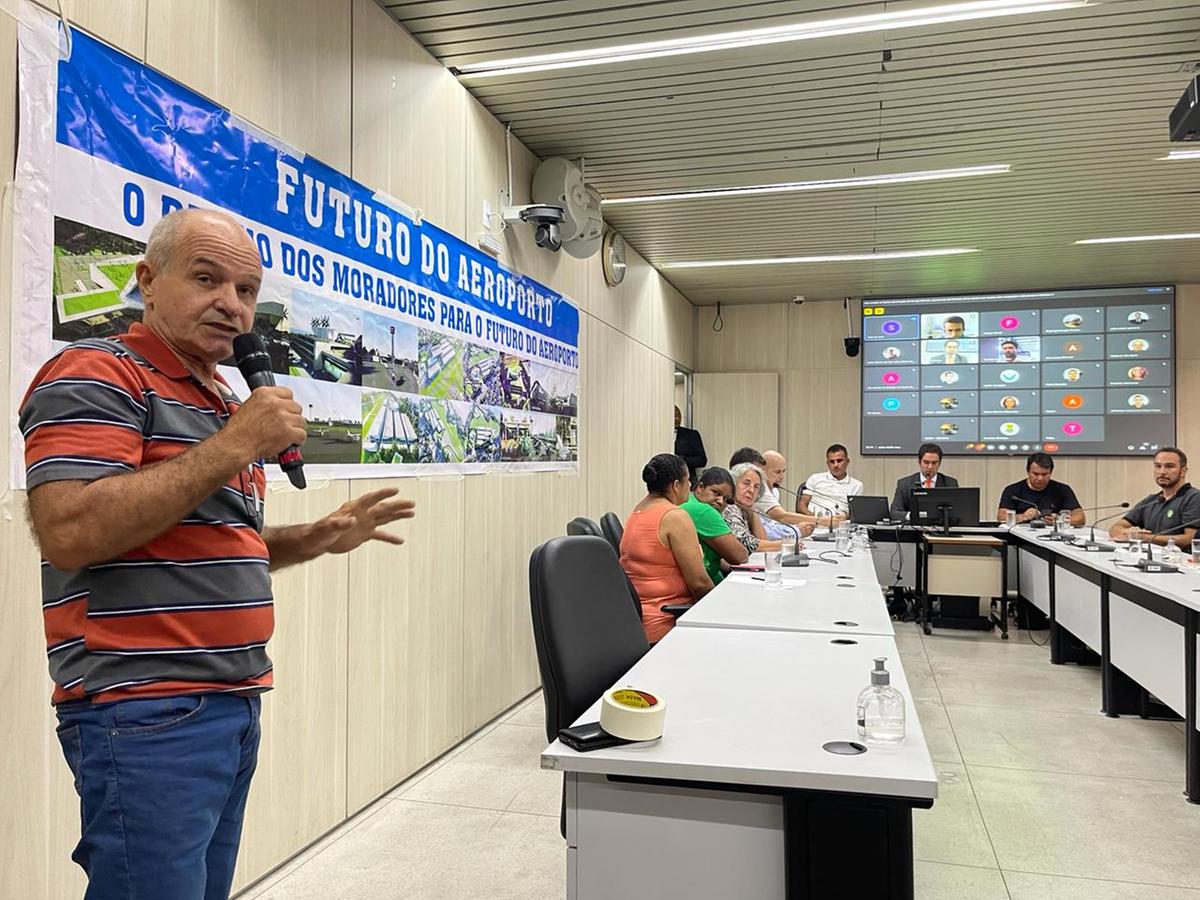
(753, 707)
(820, 597)
(1183, 587)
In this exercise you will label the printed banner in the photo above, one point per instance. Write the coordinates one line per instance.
(409, 350)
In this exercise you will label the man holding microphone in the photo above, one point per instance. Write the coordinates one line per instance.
(146, 481)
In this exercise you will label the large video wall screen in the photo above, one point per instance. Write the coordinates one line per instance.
(1087, 372)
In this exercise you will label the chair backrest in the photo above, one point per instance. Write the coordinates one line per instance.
(581, 525)
(611, 525)
(586, 635)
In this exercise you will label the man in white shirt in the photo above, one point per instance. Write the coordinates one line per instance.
(828, 493)
(777, 521)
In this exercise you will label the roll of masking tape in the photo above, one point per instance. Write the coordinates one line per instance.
(633, 714)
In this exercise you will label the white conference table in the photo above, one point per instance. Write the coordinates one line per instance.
(841, 598)
(740, 798)
(1143, 626)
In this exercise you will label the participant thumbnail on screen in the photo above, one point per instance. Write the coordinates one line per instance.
(1140, 401)
(1068, 349)
(1147, 345)
(1070, 375)
(1148, 317)
(949, 326)
(949, 402)
(1074, 320)
(1010, 349)
(889, 379)
(1003, 377)
(935, 378)
(951, 352)
(881, 353)
(949, 428)
(892, 328)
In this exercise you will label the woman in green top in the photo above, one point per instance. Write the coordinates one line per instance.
(713, 490)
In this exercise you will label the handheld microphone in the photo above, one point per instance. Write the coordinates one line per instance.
(255, 366)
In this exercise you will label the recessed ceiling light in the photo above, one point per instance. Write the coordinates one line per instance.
(824, 185)
(832, 257)
(799, 31)
(1182, 154)
(1141, 237)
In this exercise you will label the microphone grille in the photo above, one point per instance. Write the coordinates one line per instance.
(247, 345)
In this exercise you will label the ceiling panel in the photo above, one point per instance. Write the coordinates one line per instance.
(1075, 101)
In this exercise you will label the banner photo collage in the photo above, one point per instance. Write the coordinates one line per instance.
(406, 347)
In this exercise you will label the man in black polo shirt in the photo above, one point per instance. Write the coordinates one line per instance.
(1175, 509)
(1037, 495)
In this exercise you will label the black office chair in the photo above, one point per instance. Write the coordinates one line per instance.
(585, 634)
(611, 525)
(581, 525)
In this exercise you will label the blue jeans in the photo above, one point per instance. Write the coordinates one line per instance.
(162, 786)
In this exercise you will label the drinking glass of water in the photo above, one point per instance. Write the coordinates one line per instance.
(1135, 541)
(774, 568)
(1196, 552)
(1010, 517)
(843, 538)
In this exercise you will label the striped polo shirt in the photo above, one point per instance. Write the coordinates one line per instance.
(190, 611)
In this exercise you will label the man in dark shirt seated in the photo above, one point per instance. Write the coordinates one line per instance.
(1038, 495)
(1175, 509)
(929, 461)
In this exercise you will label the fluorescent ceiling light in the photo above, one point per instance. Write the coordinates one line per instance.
(1182, 154)
(833, 257)
(826, 185)
(1141, 237)
(800, 31)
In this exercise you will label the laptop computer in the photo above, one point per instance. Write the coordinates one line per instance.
(869, 510)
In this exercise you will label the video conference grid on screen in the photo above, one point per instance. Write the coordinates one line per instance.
(1078, 372)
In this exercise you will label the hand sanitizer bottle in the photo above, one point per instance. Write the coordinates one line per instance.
(881, 708)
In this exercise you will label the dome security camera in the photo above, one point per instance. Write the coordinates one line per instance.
(545, 219)
(798, 299)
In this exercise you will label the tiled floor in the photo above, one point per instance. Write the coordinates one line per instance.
(1041, 798)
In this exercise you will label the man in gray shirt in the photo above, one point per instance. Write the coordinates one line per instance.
(1175, 509)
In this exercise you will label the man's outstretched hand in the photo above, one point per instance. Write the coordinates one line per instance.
(360, 520)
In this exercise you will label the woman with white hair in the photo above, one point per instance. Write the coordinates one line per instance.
(740, 515)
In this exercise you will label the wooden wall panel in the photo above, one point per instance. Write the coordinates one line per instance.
(815, 336)
(753, 339)
(39, 825)
(406, 638)
(409, 120)
(304, 718)
(738, 409)
(630, 307)
(815, 414)
(509, 516)
(1187, 321)
(121, 23)
(675, 335)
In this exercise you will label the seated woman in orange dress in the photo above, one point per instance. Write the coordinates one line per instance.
(660, 551)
